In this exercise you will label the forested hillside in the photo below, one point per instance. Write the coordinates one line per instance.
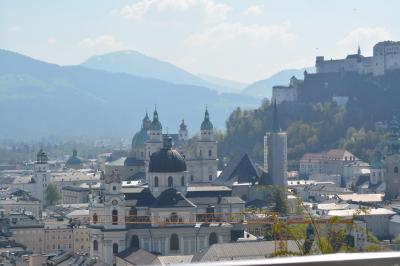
(316, 123)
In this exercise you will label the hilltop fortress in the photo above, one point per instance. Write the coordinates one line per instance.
(330, 76)
(386, 56)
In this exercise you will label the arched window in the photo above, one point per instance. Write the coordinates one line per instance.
(95, 219)
(209, 153)
(115, 248)
(170, 181)
(210, 177)
(156, 181)
(174, 217)
(132, 214)
(213, 239)
(95, 245)
(182, 181)
(114, 217)
(135, 241)
(396, 170)
(174, 242)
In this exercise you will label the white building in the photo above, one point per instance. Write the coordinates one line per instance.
(386, 56)
(202, 163)
(163, 216)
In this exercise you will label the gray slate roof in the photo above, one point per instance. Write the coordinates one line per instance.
(240, 251)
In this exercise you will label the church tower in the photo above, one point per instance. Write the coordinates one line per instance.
(107, 228)
(183, 131)
(275, 153)
(41, 176)
(205, 166)
(155, 141)
(392, 162)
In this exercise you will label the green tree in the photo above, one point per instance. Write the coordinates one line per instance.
(279, 197)
(52, 194)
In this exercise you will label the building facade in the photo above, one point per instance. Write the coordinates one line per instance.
(386, 56)
(161, 217)
(392, 162)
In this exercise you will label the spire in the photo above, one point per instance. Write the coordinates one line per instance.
(146, 121)
(74, 153)
(359, 50)
(275, 120)
(206, 124)
(155, 114)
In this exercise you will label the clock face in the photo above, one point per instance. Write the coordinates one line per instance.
(114, 202)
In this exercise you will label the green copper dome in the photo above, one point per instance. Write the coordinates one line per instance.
(155, 124)
(140, 138)
(206, 124)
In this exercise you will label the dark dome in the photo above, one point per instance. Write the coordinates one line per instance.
(167, 160)
(74, 160)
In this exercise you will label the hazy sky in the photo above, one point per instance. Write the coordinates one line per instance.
(238, 40)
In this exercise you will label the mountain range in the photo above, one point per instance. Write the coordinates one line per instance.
(263, 88)
(138, 64)
(41, 99)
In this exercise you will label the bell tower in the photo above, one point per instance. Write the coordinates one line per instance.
(41, 176)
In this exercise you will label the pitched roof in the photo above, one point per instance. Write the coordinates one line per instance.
(137, 256)
(171, 198)
(141, 197)
(208, 191)
(240, 251)
(214, 200)
(241, 169)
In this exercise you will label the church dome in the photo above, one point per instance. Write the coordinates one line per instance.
(167, 160)
(183, 126)
(74, 160)
(206, 124)
(140, 138)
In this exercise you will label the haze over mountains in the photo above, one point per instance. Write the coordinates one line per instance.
(40, 99)
(135, 63)
(107, 95)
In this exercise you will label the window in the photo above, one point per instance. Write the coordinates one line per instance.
(156, 181)
(213, 239)
(210, 177)
(174, 217)
(114, 217)
(115, 248)
(95, 218)
(209, 153)
(174, 242)
(133, 212)
(135, 241)
(191, 178)
(396, 170)
(170, 181)
(182, 181)
(114, 188)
